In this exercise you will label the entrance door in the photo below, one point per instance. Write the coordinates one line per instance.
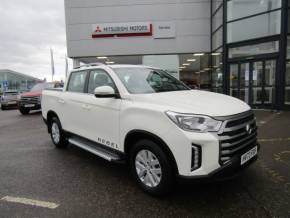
(254, 82)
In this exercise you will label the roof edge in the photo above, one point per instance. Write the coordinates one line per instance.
(19, 74)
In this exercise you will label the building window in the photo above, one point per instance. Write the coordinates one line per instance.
(216, 4)
(257, 49)
(288, 47)
(217, 72)
(217, 19)
(289, 19)
(243, 8)
(216, 68)
(195, 70)
(287, 82)
(217, 39)
(170, 63)
(234, 75)
(255, 27)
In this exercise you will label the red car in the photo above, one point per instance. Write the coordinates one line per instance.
(32, 100)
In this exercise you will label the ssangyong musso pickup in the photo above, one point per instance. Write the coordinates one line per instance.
(152, 121)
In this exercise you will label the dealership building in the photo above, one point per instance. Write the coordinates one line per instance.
(11, 80)
(237, 47)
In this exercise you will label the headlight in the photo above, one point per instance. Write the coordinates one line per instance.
(196, 123)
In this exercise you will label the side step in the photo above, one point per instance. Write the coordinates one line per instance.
(96, 149)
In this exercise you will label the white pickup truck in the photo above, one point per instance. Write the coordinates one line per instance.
(152, 121)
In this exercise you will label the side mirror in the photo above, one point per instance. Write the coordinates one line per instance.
(105, 92)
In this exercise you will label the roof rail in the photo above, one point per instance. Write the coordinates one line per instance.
(90, 65)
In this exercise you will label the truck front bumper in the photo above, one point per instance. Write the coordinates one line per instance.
(229, 170)
(32, 106)
(218, 153)
(11, 103)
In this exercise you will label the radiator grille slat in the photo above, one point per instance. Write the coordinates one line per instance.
(239, 133)
(30, 100)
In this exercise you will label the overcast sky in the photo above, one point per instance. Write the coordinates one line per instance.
(29, 28)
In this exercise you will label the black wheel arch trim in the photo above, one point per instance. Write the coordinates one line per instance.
(48, 118)
(156, 139)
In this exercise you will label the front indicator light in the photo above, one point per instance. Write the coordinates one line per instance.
(195, 157)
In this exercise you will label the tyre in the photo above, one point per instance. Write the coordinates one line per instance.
(151, 168)
(57, 134)
(3, 107)
(24, 111)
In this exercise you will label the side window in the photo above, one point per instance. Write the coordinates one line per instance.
(77, 81)
(99, 78)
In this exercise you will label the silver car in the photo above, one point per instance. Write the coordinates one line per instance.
(8, 99)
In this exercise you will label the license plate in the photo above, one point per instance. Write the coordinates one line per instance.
(249, 155)
(29, 105)
(12, 102)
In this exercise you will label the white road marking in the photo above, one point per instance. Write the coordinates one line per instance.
(30, 202)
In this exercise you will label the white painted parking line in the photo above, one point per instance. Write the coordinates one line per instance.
(32, 202)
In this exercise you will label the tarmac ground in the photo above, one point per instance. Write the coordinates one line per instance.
(38, 180)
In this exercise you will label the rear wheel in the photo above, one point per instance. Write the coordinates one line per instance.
(24, 111)
(57, 134)
(3, 107)
(151, 168)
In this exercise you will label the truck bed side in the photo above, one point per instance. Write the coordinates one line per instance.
(49, 101)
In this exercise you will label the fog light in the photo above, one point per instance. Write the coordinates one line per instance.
(195, 157)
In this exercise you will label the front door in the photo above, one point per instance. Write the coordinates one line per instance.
(254, 82)
(101, 115)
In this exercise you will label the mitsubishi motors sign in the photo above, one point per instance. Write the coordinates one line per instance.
(122, 29)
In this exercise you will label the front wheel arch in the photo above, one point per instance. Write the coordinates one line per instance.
(135, 135)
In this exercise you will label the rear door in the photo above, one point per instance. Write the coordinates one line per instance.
(101, 115)
(70, 103)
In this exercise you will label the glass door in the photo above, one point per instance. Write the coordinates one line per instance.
(244, 82)
(253, 82)
(263, 82)
(256, 81)
(234, 80)
(269, 82)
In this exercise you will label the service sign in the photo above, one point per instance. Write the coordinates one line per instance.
(122, 29)
(164, 30)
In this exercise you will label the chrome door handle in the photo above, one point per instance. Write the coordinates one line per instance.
(61, 101)
(86, 107)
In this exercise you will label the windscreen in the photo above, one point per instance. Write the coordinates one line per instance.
(146, 80)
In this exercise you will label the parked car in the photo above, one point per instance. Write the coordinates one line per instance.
(8, 99)
(32, 100)
(151, 120)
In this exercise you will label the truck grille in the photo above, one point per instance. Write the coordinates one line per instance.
(239, 134)
(30, 100)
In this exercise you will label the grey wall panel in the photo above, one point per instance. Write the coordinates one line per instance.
(102, 3)
(138, 13)
(191, 17)
(134, 46)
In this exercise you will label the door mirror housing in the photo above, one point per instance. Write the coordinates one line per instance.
(105, 92)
